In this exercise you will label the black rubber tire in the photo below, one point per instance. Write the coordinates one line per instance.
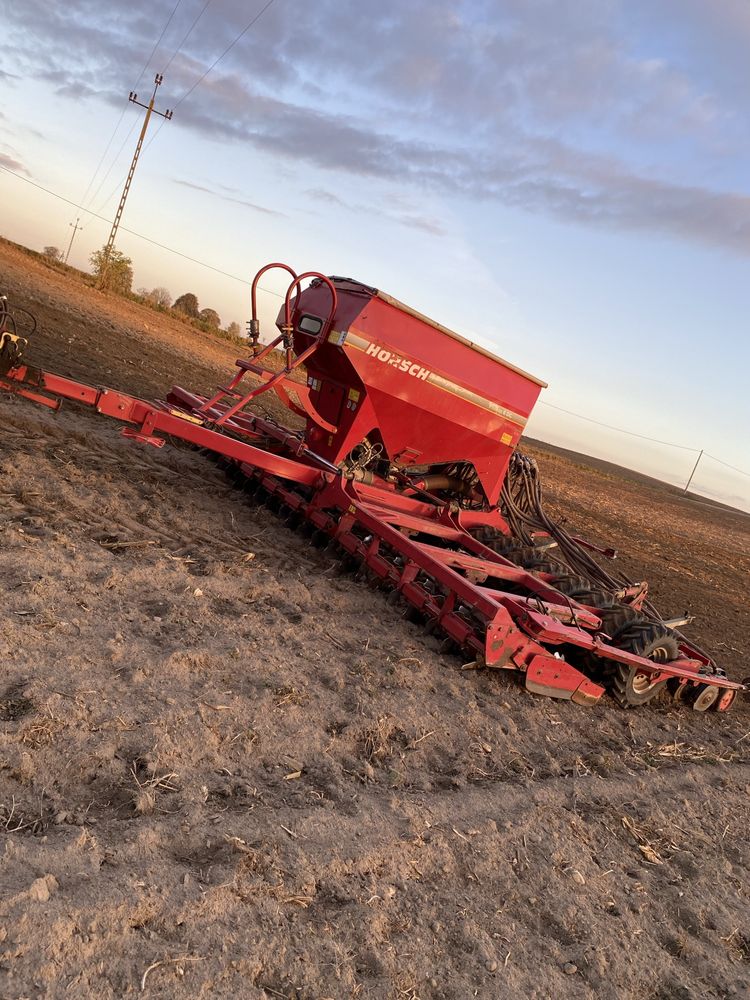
(494, 539)
(650, 640)
(543, 558)
(568, 583)
(535, 560)
(520, 554)
(527, 556)
(544, 566)
(607, 608)
(616, 617)
(599, 599)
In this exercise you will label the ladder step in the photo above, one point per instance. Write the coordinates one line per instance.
(249, 366)
(231, 392)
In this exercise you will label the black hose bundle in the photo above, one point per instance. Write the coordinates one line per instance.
(522, 507)
(8, 318)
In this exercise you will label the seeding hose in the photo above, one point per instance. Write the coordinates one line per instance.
(8, 318)
(523, 509)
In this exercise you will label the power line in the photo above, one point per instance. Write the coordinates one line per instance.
(186, 36)
(122, 115)
(119, 184)
(101, 161)
(169, 63)
(75, 228)
(140, 236)
(216, 61)
(693, 472)
(228, 49)
(150, 110)
(157, 43)
(644, 437)
(103, 204)
(611, 427)
(732, 467)
(187, 93)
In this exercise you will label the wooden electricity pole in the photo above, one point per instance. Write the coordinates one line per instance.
(121, 207)
(76, 227)
(695, 467)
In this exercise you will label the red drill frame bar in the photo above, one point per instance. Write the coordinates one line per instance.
(412, 543)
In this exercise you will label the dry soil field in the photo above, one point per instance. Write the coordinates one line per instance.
(228, 771)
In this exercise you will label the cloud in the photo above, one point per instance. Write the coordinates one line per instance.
(320, 194)
(13, 164)
(70, 85)
(226, 197)
(423, 222)
(538, 175)
(408, 217)
(608, 113)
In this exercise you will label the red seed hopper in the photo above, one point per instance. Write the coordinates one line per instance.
(386, 374)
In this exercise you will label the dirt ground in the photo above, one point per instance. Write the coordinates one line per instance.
(228, 771)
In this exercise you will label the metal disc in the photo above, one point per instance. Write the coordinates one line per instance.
(706, 696)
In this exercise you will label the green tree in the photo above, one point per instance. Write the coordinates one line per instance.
(113, 271)
(211, 317)
(188, 304)
(53, 253)
(234, 329)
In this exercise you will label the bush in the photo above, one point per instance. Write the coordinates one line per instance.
(188, 304)
(114, 272)
(211, 318)
(160, 297)
(53, 253)
(157, 297)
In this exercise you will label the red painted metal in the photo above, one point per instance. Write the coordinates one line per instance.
(288, 325)
(254, 321)
(428, 395)
(378, 371)
(151, 420)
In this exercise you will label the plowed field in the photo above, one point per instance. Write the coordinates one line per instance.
(227, 770)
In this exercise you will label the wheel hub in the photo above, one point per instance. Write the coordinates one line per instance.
(643, 683)
(705, 698)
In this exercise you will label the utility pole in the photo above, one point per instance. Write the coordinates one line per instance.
(692, 473)
(120, 208)
(76, 227)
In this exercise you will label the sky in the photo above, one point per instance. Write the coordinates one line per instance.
(564, 181)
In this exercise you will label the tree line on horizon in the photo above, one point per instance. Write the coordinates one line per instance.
(114, 272)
